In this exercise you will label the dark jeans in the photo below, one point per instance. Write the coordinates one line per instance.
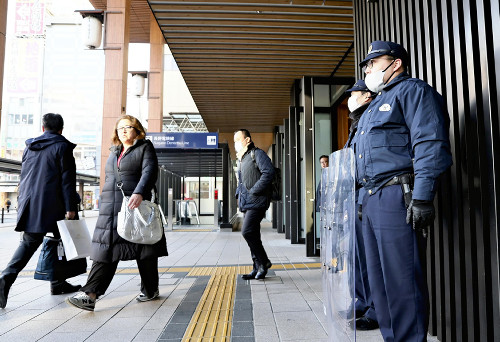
(251, 233)
(27, 247)
(102, 273)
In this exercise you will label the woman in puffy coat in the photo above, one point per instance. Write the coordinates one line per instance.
(134, 158)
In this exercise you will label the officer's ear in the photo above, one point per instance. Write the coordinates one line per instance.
(398, 64)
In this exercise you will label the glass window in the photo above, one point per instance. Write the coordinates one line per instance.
(30, 119)
(18, 119)
(205, 189)
(193, 189)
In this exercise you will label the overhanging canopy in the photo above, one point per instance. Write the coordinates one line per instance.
(239, 58)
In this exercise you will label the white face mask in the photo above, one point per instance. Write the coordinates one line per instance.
(238, 146)
(352, 103)
(375, 80)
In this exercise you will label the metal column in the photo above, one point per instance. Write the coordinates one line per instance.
(226, 173)
(308, 161)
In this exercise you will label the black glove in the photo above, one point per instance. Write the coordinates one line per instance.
(422, 214)
(360, 212)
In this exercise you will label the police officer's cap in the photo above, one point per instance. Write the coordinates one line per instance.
(360, 85)
(381, 48)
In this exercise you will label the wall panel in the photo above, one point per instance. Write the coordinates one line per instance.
(455, 47)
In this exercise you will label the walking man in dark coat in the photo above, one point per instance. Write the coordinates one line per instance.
(255, 176)
(46, 195)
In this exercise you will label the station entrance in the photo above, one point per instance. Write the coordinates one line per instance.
(195, 184)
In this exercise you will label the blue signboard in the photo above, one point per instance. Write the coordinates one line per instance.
(184, 140)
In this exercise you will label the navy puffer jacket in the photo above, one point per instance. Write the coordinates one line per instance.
(254, 179)
(138, 171)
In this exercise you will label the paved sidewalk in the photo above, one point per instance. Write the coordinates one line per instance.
(201, 296)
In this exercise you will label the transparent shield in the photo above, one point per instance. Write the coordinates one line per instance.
(338, 245)
(324, 235)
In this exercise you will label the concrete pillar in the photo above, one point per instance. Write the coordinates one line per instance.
(3, 32)
(155, 77)
(116, 70)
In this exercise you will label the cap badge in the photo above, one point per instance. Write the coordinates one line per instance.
(385, 107)
(370, 49)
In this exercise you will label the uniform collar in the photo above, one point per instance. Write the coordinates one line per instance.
(401, 77)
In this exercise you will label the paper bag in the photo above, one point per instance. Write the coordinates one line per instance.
(75, 237)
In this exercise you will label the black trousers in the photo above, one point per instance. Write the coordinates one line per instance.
(27, 247)
(251, 233)
(102, 273)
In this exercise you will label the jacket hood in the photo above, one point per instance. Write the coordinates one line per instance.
(47, 139)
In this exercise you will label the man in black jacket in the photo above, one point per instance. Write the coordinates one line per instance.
(255, 176)
(46, 195)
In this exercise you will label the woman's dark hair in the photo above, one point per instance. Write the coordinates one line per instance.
(139, 129)
(323, 156)
(52, 122)
(246, 133)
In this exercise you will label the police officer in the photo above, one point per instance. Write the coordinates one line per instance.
(403, 135)
(364, 309)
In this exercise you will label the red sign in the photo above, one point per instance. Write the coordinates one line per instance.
(216, 194)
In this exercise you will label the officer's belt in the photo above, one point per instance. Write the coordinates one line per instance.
(398, 180)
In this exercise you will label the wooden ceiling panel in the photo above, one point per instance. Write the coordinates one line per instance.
(239, 58)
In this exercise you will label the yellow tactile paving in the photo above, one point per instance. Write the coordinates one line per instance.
(211, 320)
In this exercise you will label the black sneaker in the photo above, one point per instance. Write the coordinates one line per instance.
(82, 301)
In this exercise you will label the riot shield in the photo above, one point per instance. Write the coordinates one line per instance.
(337, 245)
(325, 253)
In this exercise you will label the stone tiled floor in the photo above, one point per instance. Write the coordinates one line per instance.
(287, 306)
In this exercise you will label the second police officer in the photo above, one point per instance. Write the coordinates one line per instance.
(402, 143)
(364, 310)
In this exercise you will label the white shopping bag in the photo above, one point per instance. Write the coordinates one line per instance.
(75, 238)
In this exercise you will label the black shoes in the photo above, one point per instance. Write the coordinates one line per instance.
(349, 314)
(262, 271)
(259, 273)
(250, 275)
(65, 287)
(365, 324)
